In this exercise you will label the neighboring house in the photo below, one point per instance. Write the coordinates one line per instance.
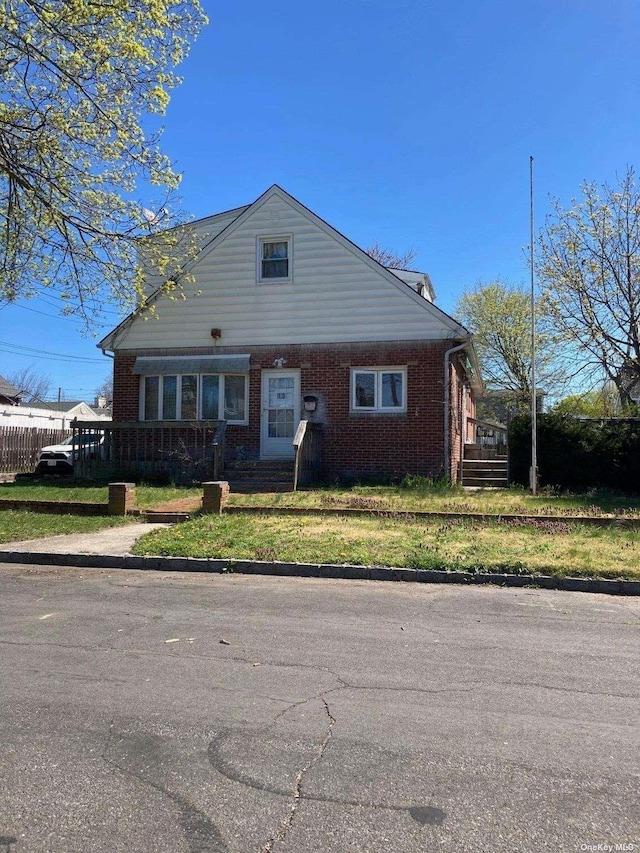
(80, 409)
(51, 415)
(9, 394)
(286, 319)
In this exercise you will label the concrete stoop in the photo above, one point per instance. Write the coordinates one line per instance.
(253, 476)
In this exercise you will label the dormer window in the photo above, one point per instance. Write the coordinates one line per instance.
(274, 259)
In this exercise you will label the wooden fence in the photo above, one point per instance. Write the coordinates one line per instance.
(19, 446)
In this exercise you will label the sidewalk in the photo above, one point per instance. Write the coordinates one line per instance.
(115, 541)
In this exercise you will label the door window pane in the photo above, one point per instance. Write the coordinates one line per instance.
(392, 391)
(169, 397)
(234, 398)
(211, 398)
(151, 384)
(281, 392)
(189, 397)
(281, 423)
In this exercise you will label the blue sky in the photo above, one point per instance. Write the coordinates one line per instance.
(408, 123)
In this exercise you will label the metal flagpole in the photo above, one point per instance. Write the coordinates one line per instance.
(533, 474)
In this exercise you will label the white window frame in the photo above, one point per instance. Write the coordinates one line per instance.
(280, 238)
(377, 407)
(221, 393)
(221, 397)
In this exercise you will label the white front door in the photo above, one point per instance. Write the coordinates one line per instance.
(280, 413)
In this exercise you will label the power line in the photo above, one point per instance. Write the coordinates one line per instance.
(54, 316)
(46, 295)
(17, 349)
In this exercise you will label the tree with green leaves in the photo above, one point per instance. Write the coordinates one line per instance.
(499, 316)
(600, 403)
(589, 265)
(82, 84)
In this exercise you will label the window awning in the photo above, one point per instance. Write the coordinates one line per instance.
(153, 365)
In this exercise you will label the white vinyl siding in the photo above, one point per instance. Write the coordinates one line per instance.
(336, 296)
(195, 397)
(379, 389)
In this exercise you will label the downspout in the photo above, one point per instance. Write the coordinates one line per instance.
(447, 396)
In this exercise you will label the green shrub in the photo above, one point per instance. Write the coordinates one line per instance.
(577, 454)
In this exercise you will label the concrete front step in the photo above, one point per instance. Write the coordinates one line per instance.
(496, 464)
(486, 482)
(255, 487)
(484, 472)
(260, 475)
(261, 465)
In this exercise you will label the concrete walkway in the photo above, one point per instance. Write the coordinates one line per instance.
(117, 541)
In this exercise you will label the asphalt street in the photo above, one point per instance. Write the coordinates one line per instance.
(147, 711)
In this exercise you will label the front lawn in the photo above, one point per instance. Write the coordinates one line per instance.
(559, 548)
(62, 489)
(19, 525)
(433, 498)
(419, 495)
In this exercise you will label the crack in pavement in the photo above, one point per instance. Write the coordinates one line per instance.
(297, 788)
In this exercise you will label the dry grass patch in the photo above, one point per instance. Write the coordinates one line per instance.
(561, 549)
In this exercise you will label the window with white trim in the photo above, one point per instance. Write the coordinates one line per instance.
(274, 259)
(379, 389)
(190, 397)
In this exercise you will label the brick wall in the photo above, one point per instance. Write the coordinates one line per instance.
(354, 444)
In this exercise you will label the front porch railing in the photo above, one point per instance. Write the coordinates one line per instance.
(307, 445)
(182, 451)
(219, 447)
(491, 437)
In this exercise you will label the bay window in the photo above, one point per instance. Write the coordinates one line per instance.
(192, 397)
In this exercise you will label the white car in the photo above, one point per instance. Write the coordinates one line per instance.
(59, 458)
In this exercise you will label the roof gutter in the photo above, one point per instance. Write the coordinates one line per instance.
(477, 384)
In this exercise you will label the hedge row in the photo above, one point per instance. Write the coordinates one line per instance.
(577, 454)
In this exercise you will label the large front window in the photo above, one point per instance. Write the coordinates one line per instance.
(379, 390)
(191, 397)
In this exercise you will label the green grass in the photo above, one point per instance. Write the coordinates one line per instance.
(559, 548)
(19, 525)
(426, 498)
(420, 495)
(61, 489)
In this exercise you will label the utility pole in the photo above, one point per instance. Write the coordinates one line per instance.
(533, 473)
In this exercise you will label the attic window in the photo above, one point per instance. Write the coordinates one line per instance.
(274, 259)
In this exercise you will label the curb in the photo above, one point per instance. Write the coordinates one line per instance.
(320, 570)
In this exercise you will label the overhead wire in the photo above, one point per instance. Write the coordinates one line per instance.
(17, 349)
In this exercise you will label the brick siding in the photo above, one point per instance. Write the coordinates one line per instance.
(354, 445)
